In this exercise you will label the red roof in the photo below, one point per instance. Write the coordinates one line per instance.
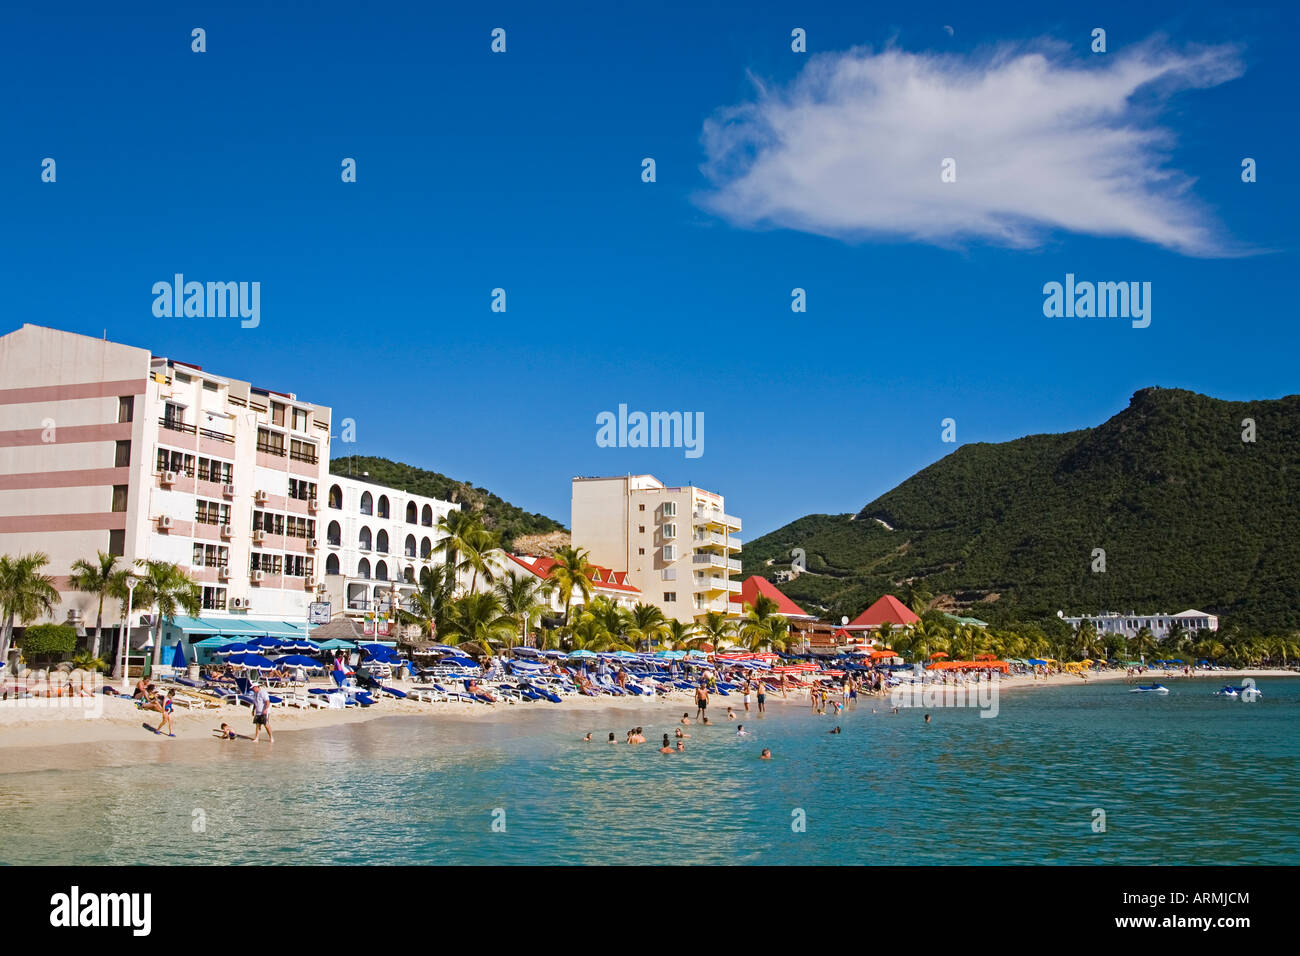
(888, 609)
(755, 585)
(603, 578)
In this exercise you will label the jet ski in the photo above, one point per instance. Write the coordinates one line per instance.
(1150, 689)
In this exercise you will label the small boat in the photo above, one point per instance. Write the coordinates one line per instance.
(1247, 692)
(1150, 689)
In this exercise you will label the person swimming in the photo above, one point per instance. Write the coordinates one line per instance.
(681, 746)
(611, 740)
(835, 731)
(731, 714)
(686, 718)
(741, 731)
(766, 754)
(680, 734)
(667, 747)
(587, 739)
(927, 718)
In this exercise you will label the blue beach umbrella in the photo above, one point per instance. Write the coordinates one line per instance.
(582, 653)
(178, 659)
(254, 662)
(298, 660)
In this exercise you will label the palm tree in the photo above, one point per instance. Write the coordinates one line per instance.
(477, 616)
(615, 620)
(430, 605)
(756, 630)
(166, 588)
(101, 578)
(648, 623)
(523, 598)
(463, 541)
(25, 593)
(679, 635)
(715, 628)
(917, 597)
(571, 573)
(1144, 643)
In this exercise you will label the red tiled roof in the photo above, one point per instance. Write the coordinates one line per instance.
(603, 578)
(755, 585)
(888, 609)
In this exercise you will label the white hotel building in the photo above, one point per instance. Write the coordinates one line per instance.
(678, 544)
(107, 447)
(1128, 625)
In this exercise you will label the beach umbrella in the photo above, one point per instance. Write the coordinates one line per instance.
(254, 662)
(937, 655)
(235, 648)
(178, 659)
(526, 652)
(298, 660)
(582, 653)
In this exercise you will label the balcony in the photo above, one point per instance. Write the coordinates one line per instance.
(709, 559)
(712, 539)
(172, 424)
(713, 584)
(269, 449)
(714, 517)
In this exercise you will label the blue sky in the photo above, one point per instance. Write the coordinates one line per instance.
(522, 171)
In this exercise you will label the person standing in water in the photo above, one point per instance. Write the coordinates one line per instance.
(261, 708)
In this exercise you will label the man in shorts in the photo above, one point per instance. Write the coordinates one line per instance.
(701, 700)
(261, 710)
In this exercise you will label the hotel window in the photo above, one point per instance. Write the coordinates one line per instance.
(670, 552)
(640, 550)
(669, 574)
(301, 450)
(119, 497)
(277, 414)
(299, 420)
(173, 414)
(270, 442)
(670, 509)
(175, 461)
(211, 555)
(209, 386)
(301, 490)
(210, 469)
(297, 565)
(122, 455)
(268, 522)
(670, 597)
(210, 512)
(117, 542)
(670, 531)
(640, 508)
(270, 563)
(214, 599)
(126, 408)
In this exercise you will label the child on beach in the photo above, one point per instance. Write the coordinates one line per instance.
(225, 733)
(731, 714)
(167, 715)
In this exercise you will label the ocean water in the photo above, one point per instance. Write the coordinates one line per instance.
(1184, 779)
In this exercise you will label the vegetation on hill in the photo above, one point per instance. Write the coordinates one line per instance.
(1189, 515)
(499, 516)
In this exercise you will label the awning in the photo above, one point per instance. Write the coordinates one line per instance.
(213, 642)
(196, 625)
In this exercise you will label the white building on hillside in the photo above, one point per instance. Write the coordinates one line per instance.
(1128, 625)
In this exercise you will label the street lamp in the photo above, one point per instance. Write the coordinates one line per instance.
(131, 582)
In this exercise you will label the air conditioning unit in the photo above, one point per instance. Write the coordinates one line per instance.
(309, 582)
(226, 531)
(228, 491)
(312, 505)
(169, 477)
(313, 544)
(74, 615)
(164, 522)
(259, 497)
(223, 574)
(258, 576)
(259, 536)
(239, 604)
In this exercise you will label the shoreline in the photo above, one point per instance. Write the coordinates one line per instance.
(33, 735)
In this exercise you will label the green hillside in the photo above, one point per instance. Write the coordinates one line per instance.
(511, 521)
(1188, 513)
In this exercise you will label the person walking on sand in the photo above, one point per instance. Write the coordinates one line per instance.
(261, 710)
(167, 715)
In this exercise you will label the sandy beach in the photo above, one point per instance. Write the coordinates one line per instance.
(30, 730)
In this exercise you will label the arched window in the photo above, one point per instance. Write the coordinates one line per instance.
(383, 506)
(363, 568)
(426, 548)
(410, 512)
(381, 571)
(410, 546)
(332, 564)
(409, 575)
(363, 539)
(381, 541)
(367, 503)
(426, 517)
(334, 535)
(336, 496)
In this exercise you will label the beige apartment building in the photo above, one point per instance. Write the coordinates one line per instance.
(678, 544)
(107, 447)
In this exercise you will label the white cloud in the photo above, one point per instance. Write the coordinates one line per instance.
(852, 147)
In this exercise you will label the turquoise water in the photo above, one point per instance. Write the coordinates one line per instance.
(1183, 779)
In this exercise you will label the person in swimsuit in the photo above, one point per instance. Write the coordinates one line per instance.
(762, 699)
(167, 715)
(667, 747)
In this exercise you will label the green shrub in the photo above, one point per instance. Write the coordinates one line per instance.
(49, 640)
